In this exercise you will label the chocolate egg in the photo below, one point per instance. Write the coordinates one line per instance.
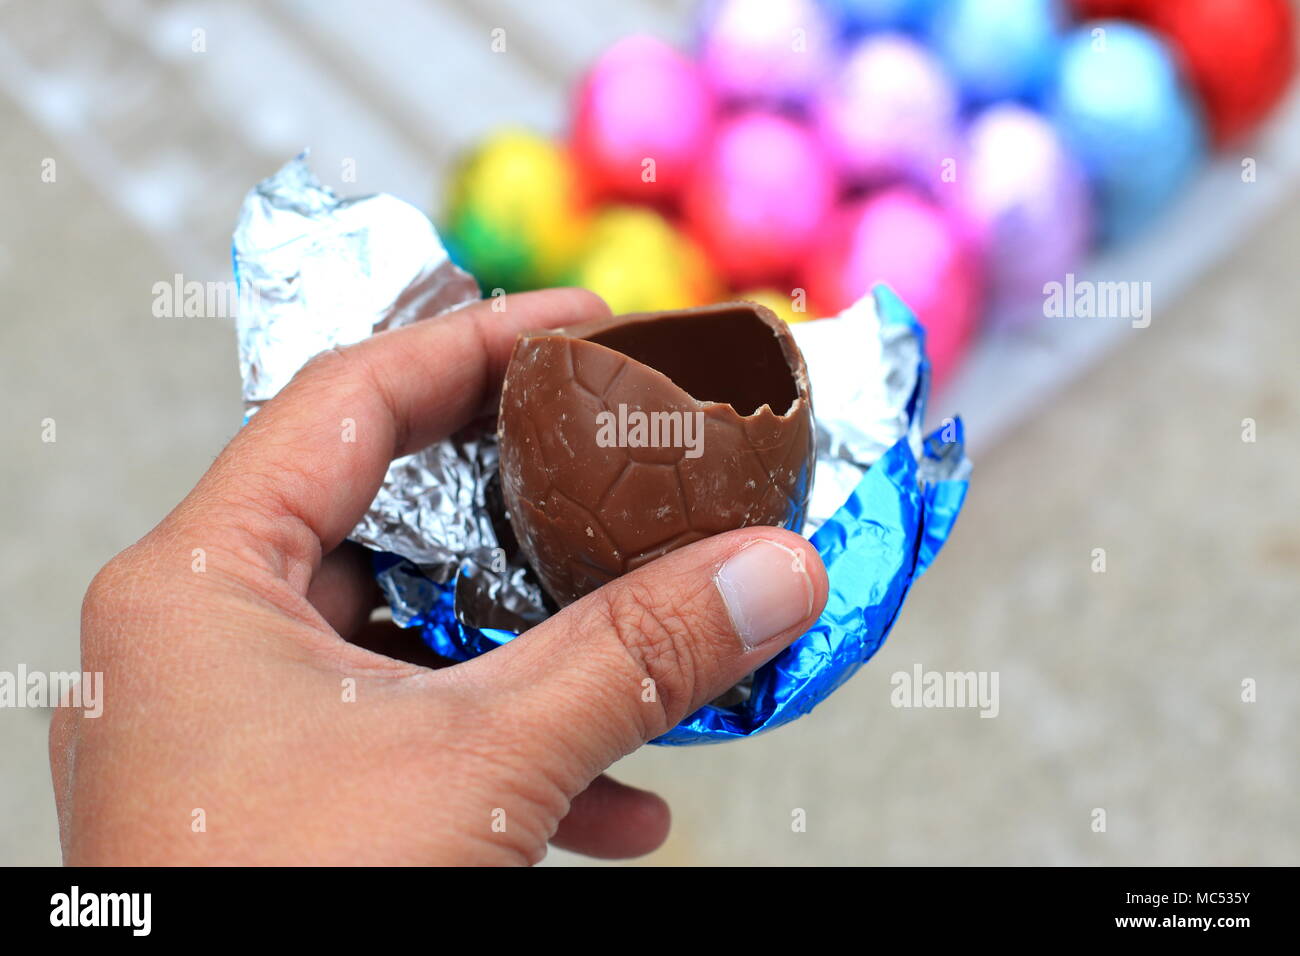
(625, 438)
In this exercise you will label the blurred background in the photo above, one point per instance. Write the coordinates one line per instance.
(967, 153)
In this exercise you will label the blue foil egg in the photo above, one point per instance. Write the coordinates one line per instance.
(998, 49)
(1125, 113)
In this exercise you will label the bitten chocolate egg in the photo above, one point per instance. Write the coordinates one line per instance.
(625, 438)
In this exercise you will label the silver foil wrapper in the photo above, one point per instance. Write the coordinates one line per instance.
(317, 271)
(863, 372)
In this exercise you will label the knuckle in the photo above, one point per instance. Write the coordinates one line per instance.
(661, 641)
(126, 602)
(110, 605)
(340, 372)
(109, 590)
(349, 376)
(328, 365)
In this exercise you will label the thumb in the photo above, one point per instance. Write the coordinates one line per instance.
(633, 658)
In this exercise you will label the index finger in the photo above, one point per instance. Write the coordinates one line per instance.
(315, 455)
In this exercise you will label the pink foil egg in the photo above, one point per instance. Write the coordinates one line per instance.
(1027, 200)
(902, 239)
(641, 119)
(759, 197)
(889, 112)
(765, 51)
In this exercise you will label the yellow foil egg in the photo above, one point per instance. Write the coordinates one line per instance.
(514, 216)
(637, 261)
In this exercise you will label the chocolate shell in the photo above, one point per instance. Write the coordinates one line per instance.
(624, 438)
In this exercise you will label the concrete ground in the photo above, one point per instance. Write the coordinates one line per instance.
(1120, 690)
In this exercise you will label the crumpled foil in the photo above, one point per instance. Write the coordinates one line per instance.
(316, 271)
(860, 413)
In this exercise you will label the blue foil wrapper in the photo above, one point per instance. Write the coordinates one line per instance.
(884, 499)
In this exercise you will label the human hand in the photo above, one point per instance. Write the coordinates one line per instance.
(241, 697)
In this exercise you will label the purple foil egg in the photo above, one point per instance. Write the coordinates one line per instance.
(769, 52)
(889, 112)
(1027, 201)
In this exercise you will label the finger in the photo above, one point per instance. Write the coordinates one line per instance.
(312, 458)
(343, 589)
(632, 659)
(62, 749)
(613, 821)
